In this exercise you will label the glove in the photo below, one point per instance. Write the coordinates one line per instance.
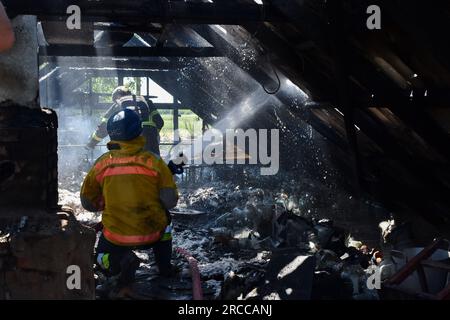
(86, 158)
(91, 145)
(175, 168)
(178, 168)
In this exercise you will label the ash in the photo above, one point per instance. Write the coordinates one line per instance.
(240, 234)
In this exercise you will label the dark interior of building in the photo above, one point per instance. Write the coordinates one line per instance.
(363, 179)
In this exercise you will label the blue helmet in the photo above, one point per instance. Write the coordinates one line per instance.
(124, 125)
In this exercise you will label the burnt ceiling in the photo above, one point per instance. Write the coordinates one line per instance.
(381, 97)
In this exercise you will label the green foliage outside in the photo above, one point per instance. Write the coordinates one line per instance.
(107, 85)
(104, 85)
(190, 125)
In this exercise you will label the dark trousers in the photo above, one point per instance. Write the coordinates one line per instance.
(114, 259)
(151, 135)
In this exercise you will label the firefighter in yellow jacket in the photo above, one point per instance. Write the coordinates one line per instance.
(134, 189)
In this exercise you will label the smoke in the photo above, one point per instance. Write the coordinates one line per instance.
(239, 114)
(74, 132)
(246, 109)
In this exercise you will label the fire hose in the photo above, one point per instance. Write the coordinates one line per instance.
(197, 291)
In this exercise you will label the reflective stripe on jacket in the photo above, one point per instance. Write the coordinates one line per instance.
(126, 184)
(149, 115)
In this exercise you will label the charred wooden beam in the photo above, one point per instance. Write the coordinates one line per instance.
(415, 117)
(260, 74)
(116, 27)
(424, 24)
(90, 51)
(195, 97)
(179, 12)
(408, 105)
(111, 72)
(337, 32)
(429, 187)
(205, 73)
(431, 98)
(293, 65)
(256, 71)
(191, 87)
(101, 62)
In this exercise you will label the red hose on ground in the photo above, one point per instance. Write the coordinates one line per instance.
(197, 291)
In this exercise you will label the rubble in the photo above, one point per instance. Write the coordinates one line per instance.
(289, 276)
(237, 235)
(72, 200)
(266, 221)
(212, 198)
(271, 225)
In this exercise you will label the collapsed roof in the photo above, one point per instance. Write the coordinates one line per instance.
(381, 97)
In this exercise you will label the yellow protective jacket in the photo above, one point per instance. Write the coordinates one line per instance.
(127, 184)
